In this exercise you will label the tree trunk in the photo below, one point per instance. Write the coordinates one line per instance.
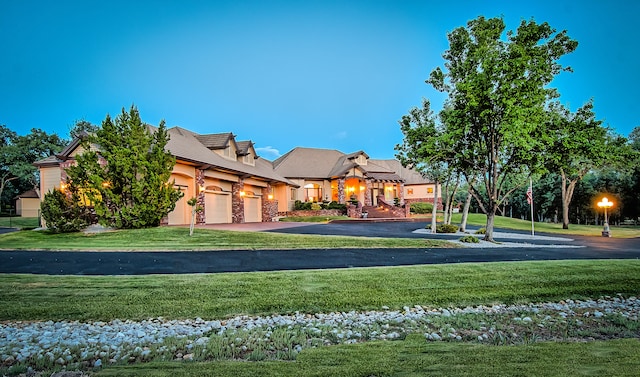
(465, 213)
(488, 236)
(567, 194)
(434, 212)
(445, 199)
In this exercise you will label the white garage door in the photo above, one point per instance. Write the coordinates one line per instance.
(252, 209)
(180, 215)
(217, 208)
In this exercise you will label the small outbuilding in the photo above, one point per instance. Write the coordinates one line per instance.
(28, 204)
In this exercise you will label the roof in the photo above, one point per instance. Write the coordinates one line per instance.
(33, 193)
(307, 163)
(185, 145)
(215, 141)
(313, 163)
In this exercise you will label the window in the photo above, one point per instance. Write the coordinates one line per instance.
(430, 190)
(249, 160)
(312, 192)
(294, 194)
(410, 191)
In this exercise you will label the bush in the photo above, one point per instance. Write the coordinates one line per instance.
(64, 214)
(469, 239)
(335, 205)
(315, 207)
(446, 228)
(301, 206)
(421, 208)
(481, 231)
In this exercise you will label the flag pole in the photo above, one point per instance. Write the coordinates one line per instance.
(530, 197)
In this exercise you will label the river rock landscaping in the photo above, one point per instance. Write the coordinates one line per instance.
(29, 347)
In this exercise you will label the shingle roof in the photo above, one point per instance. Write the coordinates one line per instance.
(243, 147)
(184, 144)
(215, 141)
(307, 163)
(33, 193)
(410, 176)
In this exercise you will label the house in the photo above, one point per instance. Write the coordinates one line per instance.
(234, 185)
(28, 204)
(330, 175)
(231, 182)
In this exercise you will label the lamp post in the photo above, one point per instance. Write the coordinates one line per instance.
(605, 203)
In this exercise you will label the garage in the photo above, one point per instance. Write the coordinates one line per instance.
(252, 209)
(217, 207)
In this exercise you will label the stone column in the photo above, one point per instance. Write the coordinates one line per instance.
(401, 193)
(341, 195)
(269, 206)
(200, 216)
(237, 202)
(368, 201)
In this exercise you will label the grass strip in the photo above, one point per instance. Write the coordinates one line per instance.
(478, 219)
(416, 357)
(177, 238)
(217, 296)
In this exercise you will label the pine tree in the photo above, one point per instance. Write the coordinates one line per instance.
(125, 172)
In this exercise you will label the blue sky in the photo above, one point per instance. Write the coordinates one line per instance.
(324, 74)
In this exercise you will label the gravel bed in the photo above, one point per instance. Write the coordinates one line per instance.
(79, 345)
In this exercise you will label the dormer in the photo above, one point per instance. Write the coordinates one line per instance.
(222, 144)
(358, 158)
(246, 153)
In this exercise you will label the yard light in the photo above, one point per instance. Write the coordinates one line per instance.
(605, 203)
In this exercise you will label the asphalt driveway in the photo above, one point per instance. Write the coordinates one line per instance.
(141, 263)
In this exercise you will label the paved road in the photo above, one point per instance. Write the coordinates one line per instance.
(140, 263)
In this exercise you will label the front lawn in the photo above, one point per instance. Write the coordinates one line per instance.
(177, 238)
(478, 219)
(221, 296)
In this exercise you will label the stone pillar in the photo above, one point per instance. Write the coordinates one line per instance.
(200, 216)
(368, 201)
(269, 206)
(237, 202)
(401, 193)
(341, 194)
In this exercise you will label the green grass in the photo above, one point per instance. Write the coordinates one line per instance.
(517, 224)
(177, 238)
(416, 357)
(31, 297)
(19, 222)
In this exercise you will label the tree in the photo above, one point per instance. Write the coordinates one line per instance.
(127, 179)
(497, 89)
(82, 127)
(579, 144)
(421, 132)
(17, 155)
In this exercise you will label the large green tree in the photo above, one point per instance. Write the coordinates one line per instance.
(497, 86)
(125, 172)
(17, 155)
(579, 144)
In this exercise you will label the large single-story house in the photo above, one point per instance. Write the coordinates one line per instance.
(234, 185)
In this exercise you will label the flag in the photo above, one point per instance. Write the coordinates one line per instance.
(529, 194)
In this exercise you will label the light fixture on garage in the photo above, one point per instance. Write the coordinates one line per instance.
(270, 196)
(242, 193)
(200, 189)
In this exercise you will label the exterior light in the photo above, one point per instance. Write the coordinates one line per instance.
(270, 196)
(200, 189)
(105, 184)
(361, 188)
(605, 203)
(63, 186)
(242, 193)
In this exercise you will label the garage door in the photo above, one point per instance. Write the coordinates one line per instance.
(252, 209)
(180, 215)
(217, 208)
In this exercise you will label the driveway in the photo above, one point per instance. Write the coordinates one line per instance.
(141, 263)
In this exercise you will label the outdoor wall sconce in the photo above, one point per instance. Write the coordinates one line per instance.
(200, 189)
(242, 193)
(270, 196)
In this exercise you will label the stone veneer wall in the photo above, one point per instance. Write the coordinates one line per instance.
(309, 213)
(269, 206)
(237, 203)
(367, 193)
(396, 211)
(341, 194)
(354, 211)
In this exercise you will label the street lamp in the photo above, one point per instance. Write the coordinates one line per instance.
(605, 203)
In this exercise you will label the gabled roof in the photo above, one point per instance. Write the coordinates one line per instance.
(33, 193)
(215, 141)
(244, 148)
(307, 163)
(410, 176)
(184, 145)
